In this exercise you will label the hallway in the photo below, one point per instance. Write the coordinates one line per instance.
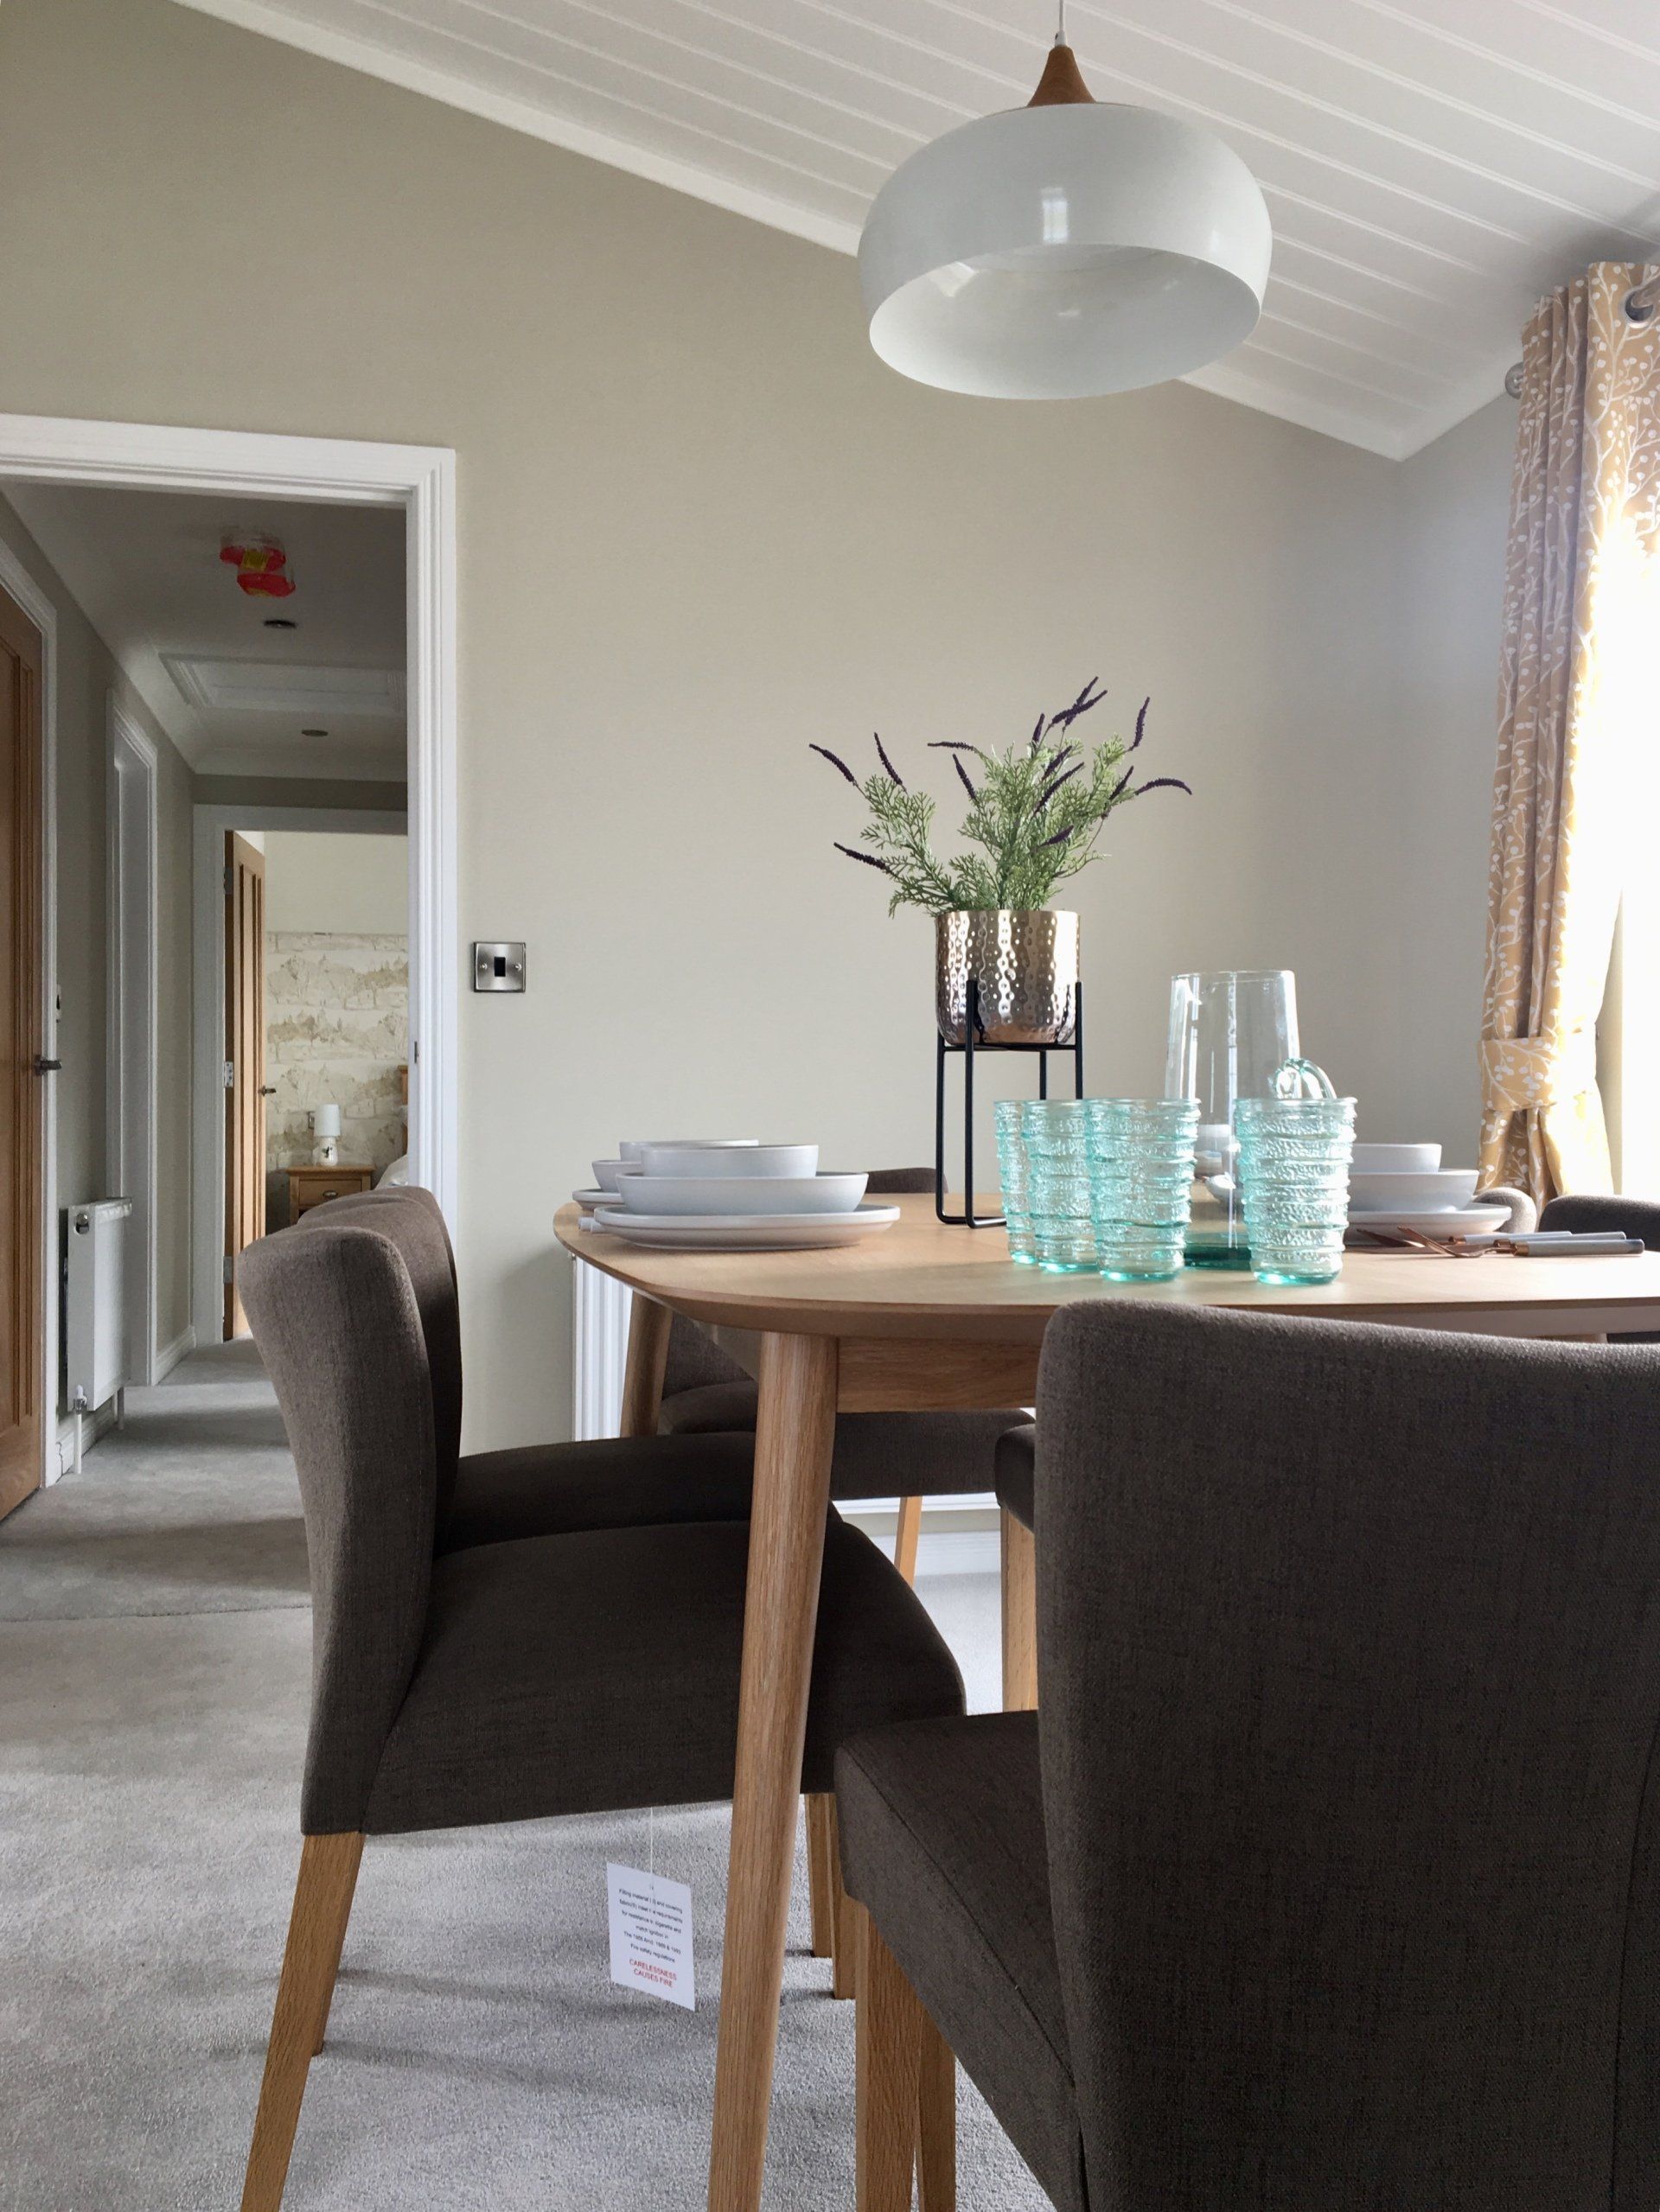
(154, 1664)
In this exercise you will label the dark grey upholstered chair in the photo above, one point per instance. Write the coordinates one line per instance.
(1327, 1876)
(579, 1672)
(492, 1497)
(907, 1455)
(1632, 1217)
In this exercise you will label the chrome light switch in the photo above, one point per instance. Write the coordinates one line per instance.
(499, 967)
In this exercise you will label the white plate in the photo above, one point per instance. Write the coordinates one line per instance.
(772, 1194)
(747, 1233)
(1445, 1221)
(589, 1198)
(1381, 1193)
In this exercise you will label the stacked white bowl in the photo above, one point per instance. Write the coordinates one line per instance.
(1405, 1186)
(710, 1192)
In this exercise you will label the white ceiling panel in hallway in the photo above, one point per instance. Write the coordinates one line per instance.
(1431, 166)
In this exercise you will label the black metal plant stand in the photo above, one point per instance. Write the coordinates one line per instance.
(968, 1052)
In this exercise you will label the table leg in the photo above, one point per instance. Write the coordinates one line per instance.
(794, 1435)
(642, 1377)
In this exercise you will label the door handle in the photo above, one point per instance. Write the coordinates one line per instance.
(44, 1067)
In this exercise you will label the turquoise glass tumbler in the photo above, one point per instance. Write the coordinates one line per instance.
(1293, 1163)
(1058, 1207)
(1011, 1174)
(1141, 1185)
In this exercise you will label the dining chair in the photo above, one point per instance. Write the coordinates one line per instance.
(490, 1497)
(586, 1671)
(1015, 1467)
(1631, 1217)
(1327, 1873)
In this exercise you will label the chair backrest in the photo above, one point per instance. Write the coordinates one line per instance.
(414, 1221)
(1633, 1217)
(1350, 1643)
(695, 1358)
(337, 1326)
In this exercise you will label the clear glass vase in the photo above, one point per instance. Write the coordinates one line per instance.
(1229, 1029)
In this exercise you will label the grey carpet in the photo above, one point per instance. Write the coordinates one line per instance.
(153, 1656)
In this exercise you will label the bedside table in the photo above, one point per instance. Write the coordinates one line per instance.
(309, 1187)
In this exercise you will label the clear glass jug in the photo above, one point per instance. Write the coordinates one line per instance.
(1229, 1030)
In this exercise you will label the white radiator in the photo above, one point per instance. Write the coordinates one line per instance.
(94, 1243)
(600, 1335)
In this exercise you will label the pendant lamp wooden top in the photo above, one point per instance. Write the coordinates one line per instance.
(1061, 83)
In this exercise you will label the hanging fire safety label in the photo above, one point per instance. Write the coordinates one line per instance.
(651, 1934)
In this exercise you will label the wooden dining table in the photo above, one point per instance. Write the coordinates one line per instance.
(928, 1317)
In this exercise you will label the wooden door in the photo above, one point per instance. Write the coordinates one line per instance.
(22, 1092)
(245, 1062)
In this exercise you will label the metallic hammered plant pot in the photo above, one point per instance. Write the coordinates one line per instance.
(1026, 964)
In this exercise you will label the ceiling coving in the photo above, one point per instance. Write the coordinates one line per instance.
(1430, 167)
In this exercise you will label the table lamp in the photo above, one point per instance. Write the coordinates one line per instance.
(325, 1127)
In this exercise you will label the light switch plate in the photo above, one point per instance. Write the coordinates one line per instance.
(499, 967)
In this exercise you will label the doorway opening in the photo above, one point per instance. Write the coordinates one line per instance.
(123, 966)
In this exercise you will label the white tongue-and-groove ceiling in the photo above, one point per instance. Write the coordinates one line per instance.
(1431, 166)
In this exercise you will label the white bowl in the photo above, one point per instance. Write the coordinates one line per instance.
(1397, 1159)
(634, 1149)
(1448, 1187)
(740, 1162)
(729, 1194)
(606, 1173)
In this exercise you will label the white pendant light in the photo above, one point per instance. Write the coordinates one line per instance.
(1063, 249)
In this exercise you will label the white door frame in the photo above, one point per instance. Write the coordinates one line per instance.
(208, 1075)
(421, 481)
(133, 1017)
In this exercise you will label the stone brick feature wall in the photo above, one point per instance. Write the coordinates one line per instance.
(337, 1027)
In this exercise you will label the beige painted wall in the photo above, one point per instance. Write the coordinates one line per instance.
(322, 880)
(701, 525)
(86, 677)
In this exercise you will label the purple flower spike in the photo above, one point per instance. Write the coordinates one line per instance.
(1165, 783)
(1054, 785)
(1118, 789)
(962, 777)
(836, 761)
(893, 772)
(1059, 838)
(1038, 734)
(1140, 724)
(868, 858)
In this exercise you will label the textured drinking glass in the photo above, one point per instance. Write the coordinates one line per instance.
(1058, 1208)
(1293, 1164)
(1141, 1184)
(1229, 1032)
(1011, 1174)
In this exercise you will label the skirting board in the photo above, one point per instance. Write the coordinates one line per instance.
(954, 1541)
(169, 1354)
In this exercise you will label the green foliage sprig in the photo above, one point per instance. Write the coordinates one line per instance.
(1034, 814)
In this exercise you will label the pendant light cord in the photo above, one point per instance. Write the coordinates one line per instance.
(1060, 23)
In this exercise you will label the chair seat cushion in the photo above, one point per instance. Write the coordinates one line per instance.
(617, 1482)
(943, 1842)
(599, 1671)
(1017, 1472)
(878, 1454)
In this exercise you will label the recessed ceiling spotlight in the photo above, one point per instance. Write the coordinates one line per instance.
(279, 622)
(314, 733)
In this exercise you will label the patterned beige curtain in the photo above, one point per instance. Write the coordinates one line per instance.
(1578, 689)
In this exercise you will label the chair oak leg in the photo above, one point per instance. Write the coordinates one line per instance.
(821, 1871)
(889, 2038)
(317, 1930)
(937, 2122)
(1019, 1575)
(905, 1535)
